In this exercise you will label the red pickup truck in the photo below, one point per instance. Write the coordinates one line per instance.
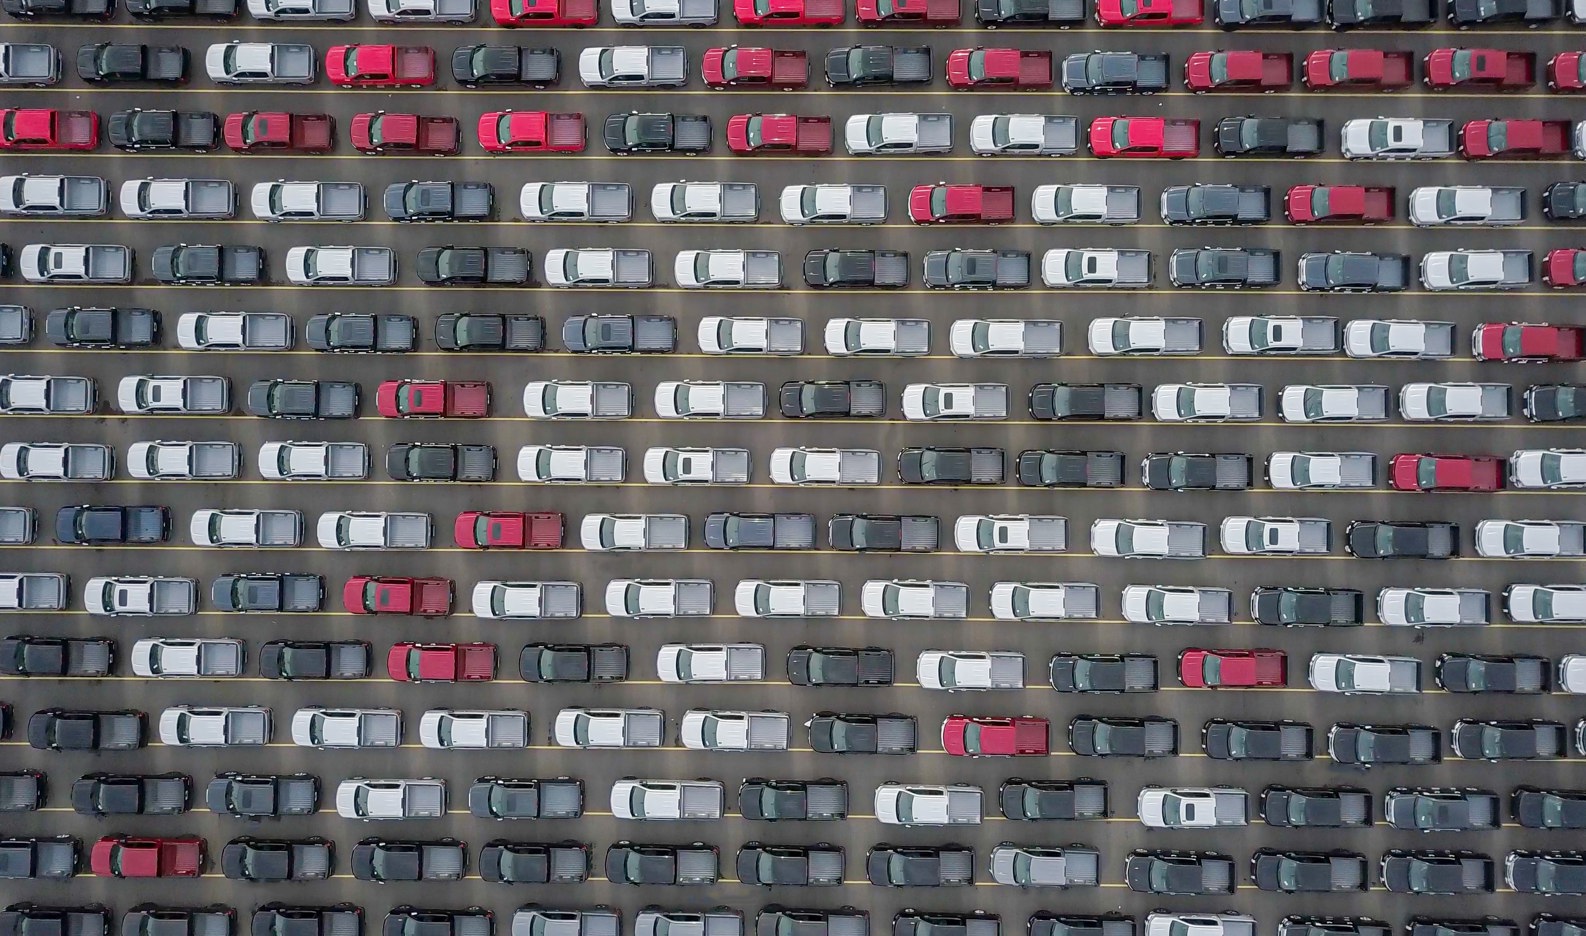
(380, 66)
(38, 128)
(504, 529)
(1411, 472)
(753, 134)
(1499, 69)
(1123, 14)
(1238, 70)
(960, 204)
(1341, 204)
(128, 856)
(1214, 669)
(996, 736)
(755, 67)
(1514, 139)
(381, 594)
(1144, 138)
(1023, 69)
(1515, 343)
(280, 132)
(789, 12)
(405, 134)
(433, 399)
(531, 132)
(1566, 72)
(441, 662)
(934, 13)
(519, 13)
(1358, 68)
(1564, 267)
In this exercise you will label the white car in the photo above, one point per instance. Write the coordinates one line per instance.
(709, 399)
(1299, 471)
(898, 599)
(1433, 607)
(1010, 533)
(710, 663)
(728, 269)
(927, 805)
(57, 461)
(1308, 403)
(1359, 674)
(1398, 338)
(750, 335)
(526, 601)
(1195, 402)
(1227, 923)
(230, 63)
(1044, 601)
(668, 465)
(1454, 402)
(994, 338)
(421, 11)
(1572, 673)
(1433, 205)
(577, 399)
(176, 657)
(760, 598)
(825, 466)
(474, 729)
(359, 798)
(1545, 604)
(234, 331)
(578, 727)
(891, 337)
(1551, 469)
(1530, 539)
(571, 464)
(954, 401)
(346, 728)
(178, 199)
(834, 204)
(287, 11)
(1475, 269)
(314, 461)
(254, 529)
(193, 726)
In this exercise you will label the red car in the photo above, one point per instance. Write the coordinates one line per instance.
(433, 399)
(936, 13)
(753, 134)
(1021, 69)
(127, 856)
(1144, 138)
(280, 132)
(1366, 69)
(435, 662)
(39, 128)
(1498, 69)
(1326, 204)
(1148, 13)
(960, 204)
(1564, 267)
(1514, 139)
(789, 12)
(1515, 343)
(1238, 70)
(1411, 472)
(754, 67)
(531, 132)
(378, 133)
(502, 529)
(574, 13)
(1566, 71)
(1214, 669)
(379, 594)
(380, 66)
(995, 736)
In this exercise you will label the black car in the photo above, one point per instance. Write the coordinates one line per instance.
(1309, 872)
(22, 791)
(209, 264)
(107, 794)
(802, 399)
(1496, 739)
(763, 800)
(920, 865)
(504, 862)
(264, 861)
(1476, 672)
(31, 919)
(390, 861)
(1119, 736)
(119, 63)
(268, 592)
(759, 531)
(52, 9)
(1103, 672)
(1240, 739)
(52, 858)
(149, 919)
(137, 130)
(37, 655)
(1179, 873)
(1371, 539)
(1437, 872)
(278, 919)
(1547, 924)
(1295, 14)
(1269, 136)
(167, 9)
(1344, 15)
(950, 465)
(634, 132)
(1286, 606)
(1052, 468)
(1554, 403)
(511, 798)
(262, 796)
(1564, 201)
(302, 399)
(1114, 73)
(315, 659)
(1043, 800)
(1369, 745)
(440, 461)
(1315, 807)
(1224, 267)
(631, 863)
(478, 66)
(834, 268)
(1436, 809)
(1351, 271)
(451, 265)
(882, 533)
(360, 332)
(1183, 471)
(488, 331)
(1536, 808)
(112, 525)
(1051, 923)
(1063, 401)
(1216, 204)
(124, 328)
(790, 865)
(573, 663)
(839, 666)
(1531, 14)
(861, 733)
(1443, 926)
(408, 920)
(777, 920)
(921, 923)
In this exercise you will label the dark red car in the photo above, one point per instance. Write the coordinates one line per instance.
(1564, 267)
(378, 133)
(1363, 69)
(383, 594)
(754, 67)
(129, 856)
(754, 134)
(996, 736)
(433, 399)
(1409, 471)
(504, 529)
(1125, 14)
(1213, 669)
(1498, 69)
(545, 13)
(280, 132)
(1021, 69)
(39, 128)
(960, 204)
(1343, 204)
(434, 662)
(1238, 70)
(1517, 343)
(1514, 139)
(1566, 72)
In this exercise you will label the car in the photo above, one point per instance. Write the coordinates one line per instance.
(1549, 469)
(1214, 669)
(1482, 673)
(1344, 15)
(1119, 736)
(59, 729)
(1363, 69)
(1536, 808)
(1315, 807)
(1354, 271)
(1497, 739)
(383, 861)
(1564, 267)
(1398, 338)
(1476, 269)
(1361, 674)
(1546, 873)
(175, 657)
(1338, 204)
(1415, 472)
(378, 132)
(265, 861)
(1456, 402)
(1309, 872)
(236, 63)
(126, 856)
(1295, 138)
(1239, 70)
(1256, 740)
(1437, 872)
(1367, 746)
(1437, 809)
(991, 736)
(1368, 539)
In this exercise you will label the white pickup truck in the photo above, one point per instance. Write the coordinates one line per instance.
(913, 598)
(710, 663)
(1192, 807)
(714, 730)
(175, 396)
(359, 798)
(633, 798)
(1010, 533)
(909, 804)
(970, 670)
(1177, 604)
(899, 134)
(762, 598)
(825, 466)
(314, 461)
(710, 399)
(667, 465)
(603, 532)
(577, 399)
(931, 402)
(1148, 539)
(246, 528)
(1276, 536)
(140, 596)
(353, 529)
(184, 461)
(646, 598)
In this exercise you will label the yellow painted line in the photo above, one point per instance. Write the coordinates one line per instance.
(893, 160)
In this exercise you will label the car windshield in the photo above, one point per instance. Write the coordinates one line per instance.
(1219, 67)
(1383, 540)
(702, 275)
(1021, 605)
(1001, 131)
(1377, 135)
(938, 201)
(1427, 811)
(892, 600)
(1337, 264)
(608, 61)
(1297, 804)
(581, 725)
(1074, 271)
(1120, 131)
(977, 65)
(1156, 604)
(1459, 267)
(1313, 403)
(729, 65)
(873, 129)
(972, 738)
(1344, 675)
(1513, 539)
(1161, 876)
(632, 131)
(1415, 607)
(754, 130)
(1185, 400)
(1320, 200)
(947, 672)
(905, 807)
(1338, 66)
(1172, 809)
(1212, 669)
